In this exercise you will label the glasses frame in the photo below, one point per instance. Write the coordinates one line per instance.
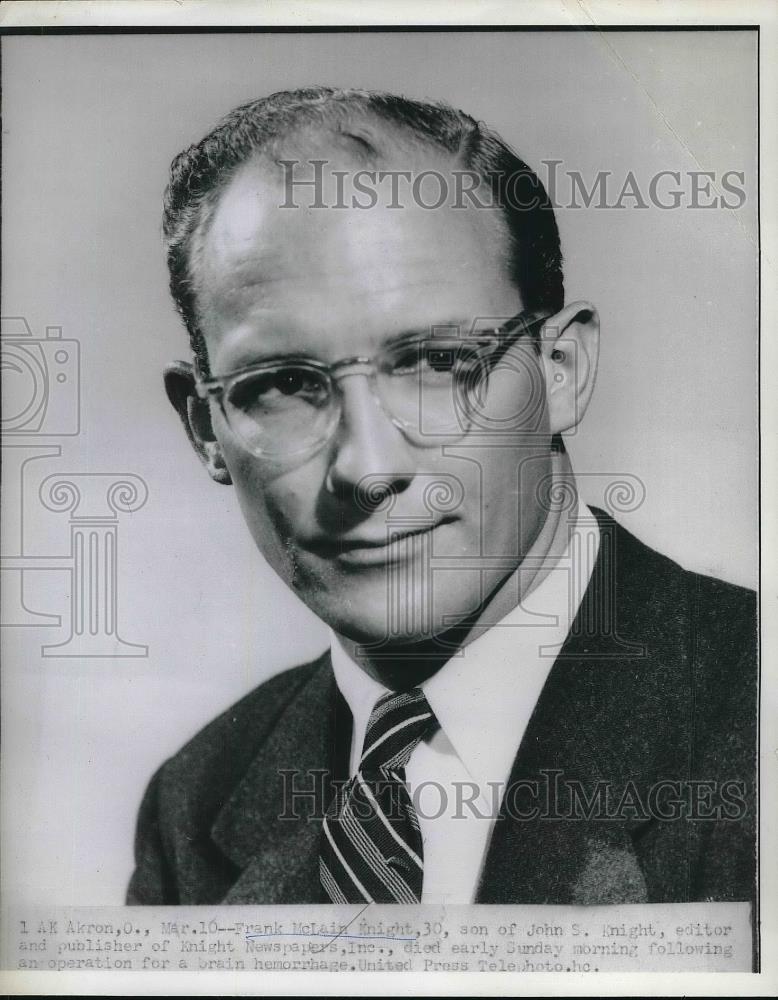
(501, 338)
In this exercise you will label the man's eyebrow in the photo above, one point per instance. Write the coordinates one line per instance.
(257, 354)
(260, 356)
(437, 327)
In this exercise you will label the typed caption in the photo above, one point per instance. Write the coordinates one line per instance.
(679, 937)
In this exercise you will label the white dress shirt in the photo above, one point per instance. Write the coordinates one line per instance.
(483, 698)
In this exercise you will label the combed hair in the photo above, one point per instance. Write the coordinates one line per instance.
(200, 173)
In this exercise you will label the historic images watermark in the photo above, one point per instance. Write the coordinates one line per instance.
(550, 796)
(305, 185)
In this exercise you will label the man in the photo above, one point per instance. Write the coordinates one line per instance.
(522, 703)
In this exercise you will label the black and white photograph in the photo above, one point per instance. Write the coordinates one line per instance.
(381, 503)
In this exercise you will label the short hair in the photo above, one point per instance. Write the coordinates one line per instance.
(200, 173)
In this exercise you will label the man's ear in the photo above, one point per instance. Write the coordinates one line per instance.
(569, 348)
(195, 415)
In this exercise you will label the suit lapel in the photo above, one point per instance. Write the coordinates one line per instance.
(269, 827)
(575, 736)
(549, 857)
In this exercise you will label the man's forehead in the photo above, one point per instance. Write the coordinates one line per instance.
(258, 234)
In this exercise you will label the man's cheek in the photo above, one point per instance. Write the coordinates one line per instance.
(270, 520)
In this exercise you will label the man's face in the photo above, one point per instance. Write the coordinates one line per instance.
(329, 284)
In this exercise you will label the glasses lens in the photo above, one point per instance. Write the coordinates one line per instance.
(430, 385)
(281, 410)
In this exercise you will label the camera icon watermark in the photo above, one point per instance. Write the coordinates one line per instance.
(40, 381)
(496, 391)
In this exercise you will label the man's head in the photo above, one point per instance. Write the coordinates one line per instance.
(262, 278)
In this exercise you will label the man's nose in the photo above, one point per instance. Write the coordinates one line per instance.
(371, 455)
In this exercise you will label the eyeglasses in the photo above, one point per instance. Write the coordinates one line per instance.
(429, 387)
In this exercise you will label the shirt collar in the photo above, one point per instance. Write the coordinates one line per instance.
(491, 685)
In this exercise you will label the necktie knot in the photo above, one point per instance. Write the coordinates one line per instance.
(397, 724)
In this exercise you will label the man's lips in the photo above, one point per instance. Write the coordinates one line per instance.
(392, 546)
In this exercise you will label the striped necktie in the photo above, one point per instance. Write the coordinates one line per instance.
(371, 848)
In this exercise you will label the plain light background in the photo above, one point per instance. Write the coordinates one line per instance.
(90, 125)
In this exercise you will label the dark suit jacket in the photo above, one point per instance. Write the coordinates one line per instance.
(656, 683)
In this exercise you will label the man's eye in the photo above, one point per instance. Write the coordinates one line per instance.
(292, 381)
(275, 387)
(433, 359)
(440, 359)
(406, 360)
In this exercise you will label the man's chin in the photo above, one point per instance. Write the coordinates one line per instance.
(369, 626)
(377, 632)
(375, 609)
